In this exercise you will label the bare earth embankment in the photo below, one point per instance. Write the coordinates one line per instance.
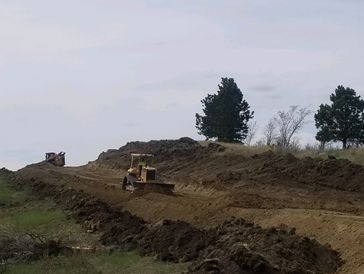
(316, 205)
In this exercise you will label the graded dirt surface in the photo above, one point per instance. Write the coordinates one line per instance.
(321, 199)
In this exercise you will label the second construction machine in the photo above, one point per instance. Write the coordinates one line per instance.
(142, 176)
(56, 159)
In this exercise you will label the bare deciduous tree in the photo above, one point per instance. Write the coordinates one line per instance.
(289, 123)
(270, 132)
(252, 131)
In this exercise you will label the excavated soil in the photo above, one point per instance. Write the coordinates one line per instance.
(220, 194)
(186, 157)
(267, 180)
(235, 246)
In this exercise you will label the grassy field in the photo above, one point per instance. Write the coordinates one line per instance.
(22, 213)
(96, 263)
(355, 155)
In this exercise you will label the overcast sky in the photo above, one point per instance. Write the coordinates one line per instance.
(87, 75)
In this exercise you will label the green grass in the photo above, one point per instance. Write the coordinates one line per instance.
(132, 262)
(355, 155)
(40, 217)
(239, 148)
(58, 265)
(117, 262)
(8, 195)
(23, 213)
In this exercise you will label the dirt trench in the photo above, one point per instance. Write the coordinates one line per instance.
(235, 246)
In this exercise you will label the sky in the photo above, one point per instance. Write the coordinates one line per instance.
(83, 76)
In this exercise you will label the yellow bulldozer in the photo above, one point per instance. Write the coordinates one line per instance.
(142, 176)
(56, 159)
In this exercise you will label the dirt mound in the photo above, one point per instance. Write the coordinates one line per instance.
(275, 250)
(336, 173)
(161, 149)
(186, 160)
(235, 246)
(175, 241)
(277, 167)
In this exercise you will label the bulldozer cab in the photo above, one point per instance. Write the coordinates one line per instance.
(140, 167)
(56, 159)
(140, 159)
(50, 155)
(142, 176)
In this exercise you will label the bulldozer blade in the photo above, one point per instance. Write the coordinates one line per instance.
(157, 187)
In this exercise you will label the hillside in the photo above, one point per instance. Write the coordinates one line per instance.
(223, 196)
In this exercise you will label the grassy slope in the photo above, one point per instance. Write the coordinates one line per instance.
(355, 155)
(8, 196)
(22, 213)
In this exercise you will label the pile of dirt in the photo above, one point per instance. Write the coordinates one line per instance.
(162, 149)
(186, 160)
(251, 248)
(235, 246)
(175, 241)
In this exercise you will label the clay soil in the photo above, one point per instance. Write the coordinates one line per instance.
(317, 205)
